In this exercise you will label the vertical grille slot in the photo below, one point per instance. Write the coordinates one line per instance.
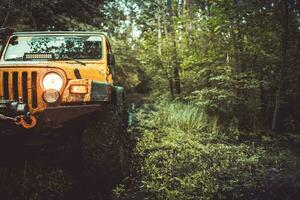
(34, 89)
(24, 87)
(5, 85)
(15, 88)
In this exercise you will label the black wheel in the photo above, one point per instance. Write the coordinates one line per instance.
(103, 148)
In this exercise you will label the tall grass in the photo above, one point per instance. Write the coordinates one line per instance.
(186, 117)
(191, 119)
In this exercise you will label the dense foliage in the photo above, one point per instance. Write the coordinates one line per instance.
(239, 58)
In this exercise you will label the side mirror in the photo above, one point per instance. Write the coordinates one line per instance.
(111, 59)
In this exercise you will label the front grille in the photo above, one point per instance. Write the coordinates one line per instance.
(34, 89)
(18, 85)
(5, 85)
(25, 87)
(15, 86)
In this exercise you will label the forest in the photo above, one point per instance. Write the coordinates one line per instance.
(214, 92)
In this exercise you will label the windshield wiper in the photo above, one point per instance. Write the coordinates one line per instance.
(73, 59)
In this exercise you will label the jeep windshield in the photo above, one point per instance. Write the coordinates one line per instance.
(62, 47)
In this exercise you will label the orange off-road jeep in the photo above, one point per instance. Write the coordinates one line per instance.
(49, 79)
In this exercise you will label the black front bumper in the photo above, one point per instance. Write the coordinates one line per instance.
(55, 117)
(52, 117)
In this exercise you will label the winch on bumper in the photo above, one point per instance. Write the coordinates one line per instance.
(17, 113)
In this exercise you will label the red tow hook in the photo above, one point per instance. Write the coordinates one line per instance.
(27, 122)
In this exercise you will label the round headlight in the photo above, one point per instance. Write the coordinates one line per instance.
(51, 96)
(52, 81)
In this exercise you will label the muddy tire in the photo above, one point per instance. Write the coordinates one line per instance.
(103, 148)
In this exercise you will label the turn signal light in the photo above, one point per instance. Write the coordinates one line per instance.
(78, 89)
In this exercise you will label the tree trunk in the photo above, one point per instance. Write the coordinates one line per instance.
(174, 62)
(238, 43)
(177, 80)
(159, 35)
(186, 5)
(171, 86)
(7, 14)
(283, 66)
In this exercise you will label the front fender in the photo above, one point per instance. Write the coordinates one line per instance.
(97, 92)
